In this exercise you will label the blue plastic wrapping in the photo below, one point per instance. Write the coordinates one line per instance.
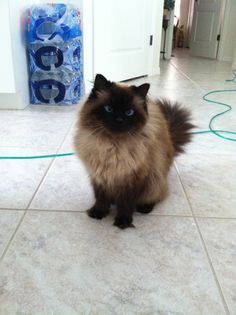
(53, 22)
(55, 54)
(56, 87)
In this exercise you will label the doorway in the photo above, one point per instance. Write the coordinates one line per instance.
(202, 27)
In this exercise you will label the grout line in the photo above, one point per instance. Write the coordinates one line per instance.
(205, 248)
(34, 194)
(150, 214)
(59, 211)
(23, 216)
(40, 183)
(12, 237)
(214, 218)
(25, 212)
(185, 75)
(11, 209)
(84, 211)
(48, 168)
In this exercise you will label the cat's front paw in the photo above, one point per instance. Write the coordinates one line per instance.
(124, 222)
(145, 208)
(97, 213)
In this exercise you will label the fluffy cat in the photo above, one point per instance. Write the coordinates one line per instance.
(127, 142)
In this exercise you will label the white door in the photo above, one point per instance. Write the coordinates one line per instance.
(206, 28)
(121, 38)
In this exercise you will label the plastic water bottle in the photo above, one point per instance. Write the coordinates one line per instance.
(54, 55)
(56, 21)
(56, 87)
(54, 47)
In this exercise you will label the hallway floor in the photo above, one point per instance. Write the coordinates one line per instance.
(180, 259)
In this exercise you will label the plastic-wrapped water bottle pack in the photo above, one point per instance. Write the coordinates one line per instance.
(55, 54)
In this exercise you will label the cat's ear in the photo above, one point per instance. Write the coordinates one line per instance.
(142, 90)
(101, 83)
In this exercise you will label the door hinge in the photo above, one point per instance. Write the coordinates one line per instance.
(218, 37)
(151, 40)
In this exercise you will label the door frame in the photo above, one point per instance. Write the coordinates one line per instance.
(88, 40)
(225, 11)
(223, 31)
(88, 45)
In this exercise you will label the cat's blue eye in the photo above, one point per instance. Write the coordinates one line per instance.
(108, 109)
(129, 112)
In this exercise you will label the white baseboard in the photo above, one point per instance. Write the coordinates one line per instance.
(12, 101)
(227, 58)
(154, 71)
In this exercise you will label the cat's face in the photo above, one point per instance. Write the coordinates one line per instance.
(117, 108)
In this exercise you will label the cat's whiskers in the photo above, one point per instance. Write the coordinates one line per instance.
(97, 131)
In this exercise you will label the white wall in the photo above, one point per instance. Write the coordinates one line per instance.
(7, 82)
(14, 90)
(88, 43)
(16, 12)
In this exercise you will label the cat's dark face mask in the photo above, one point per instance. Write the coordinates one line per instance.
(119, 108)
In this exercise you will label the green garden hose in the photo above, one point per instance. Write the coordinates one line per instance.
(219, 133)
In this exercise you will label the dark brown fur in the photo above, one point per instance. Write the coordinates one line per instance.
(128, 161)
(178, 119)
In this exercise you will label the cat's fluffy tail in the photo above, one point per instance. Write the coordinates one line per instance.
(179, 121)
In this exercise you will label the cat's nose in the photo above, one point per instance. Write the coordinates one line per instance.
(119, 119)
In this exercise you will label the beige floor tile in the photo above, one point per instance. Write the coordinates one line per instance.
(220, 239)
(67, 263)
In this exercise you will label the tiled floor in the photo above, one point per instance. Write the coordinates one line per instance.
(181, 259)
